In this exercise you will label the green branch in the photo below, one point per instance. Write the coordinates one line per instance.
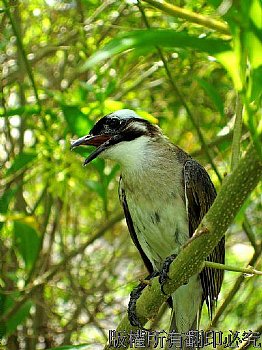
(22, 50)
(190, 16)
(234, 290)
(247, 270)
(233, 194)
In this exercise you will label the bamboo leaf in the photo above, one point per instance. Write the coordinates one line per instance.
(156, 37)
(27, 242)
(168, 38)
(19, 317)
(77, 121)
(21, 161)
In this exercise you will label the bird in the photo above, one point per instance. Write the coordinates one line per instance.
(164, 193)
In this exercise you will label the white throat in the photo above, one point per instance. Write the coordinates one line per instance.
(131, 155)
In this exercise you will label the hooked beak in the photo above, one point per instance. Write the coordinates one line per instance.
(101, 142)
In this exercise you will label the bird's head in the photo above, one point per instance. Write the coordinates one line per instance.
(118, 136)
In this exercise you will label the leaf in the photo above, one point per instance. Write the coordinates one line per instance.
(156, 37)
(112, 105)
(230, 61)
(97, 187)
(27, 241)
(21, 161)
(28, 109)
(5, 201)
(78, 122)
(73, 347)
(168, 38)
(212, 93)
(2, 309)
(255, 90)
(19, 317)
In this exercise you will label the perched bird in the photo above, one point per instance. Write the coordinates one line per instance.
(164, 194)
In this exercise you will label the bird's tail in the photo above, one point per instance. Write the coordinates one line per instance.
(187, 304)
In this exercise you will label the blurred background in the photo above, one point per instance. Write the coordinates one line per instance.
(67, 262)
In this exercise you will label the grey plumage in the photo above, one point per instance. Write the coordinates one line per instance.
(164, 194)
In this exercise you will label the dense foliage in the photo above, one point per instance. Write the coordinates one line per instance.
(67, 262)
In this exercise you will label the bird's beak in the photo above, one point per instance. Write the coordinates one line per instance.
(101, 142)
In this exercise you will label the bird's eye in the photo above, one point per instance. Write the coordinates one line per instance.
(113, 123)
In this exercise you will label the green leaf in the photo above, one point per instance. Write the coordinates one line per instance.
(2, 310)
(19, 317)
(73, 347)
(28, 109)
(5, 200)
(21, 161)
(27, 241)
(230, 61)
(212, 93)
(97, 187)
(255, 89)
(78, 122)
(156, 37)
(169, 38)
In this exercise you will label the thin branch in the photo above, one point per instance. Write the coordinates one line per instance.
(249, 232)
(190, 16)
(246, 270)
(138, 81)
(234, 290)
(182, 99)
(22, 50)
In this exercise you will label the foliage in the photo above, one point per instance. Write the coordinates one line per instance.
(67, 264)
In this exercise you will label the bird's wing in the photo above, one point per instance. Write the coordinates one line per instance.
(131, 228)
(200, 194)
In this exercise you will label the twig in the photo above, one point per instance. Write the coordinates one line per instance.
(249, 232)
(193, 17)
(233, 291)
(138, 81)
(22, 50)
(246, 270)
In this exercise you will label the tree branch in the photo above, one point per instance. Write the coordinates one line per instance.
(233, 290)
(250, 270)
(190, 16)
(234, 191)
(20, 46)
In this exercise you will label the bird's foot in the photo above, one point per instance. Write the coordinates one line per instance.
(134, 296)
(163, 274)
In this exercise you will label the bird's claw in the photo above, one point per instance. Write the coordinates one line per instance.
(163, 274)
(134, 295)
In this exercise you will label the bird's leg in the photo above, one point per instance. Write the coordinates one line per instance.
(134, 295)
(163, 274)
